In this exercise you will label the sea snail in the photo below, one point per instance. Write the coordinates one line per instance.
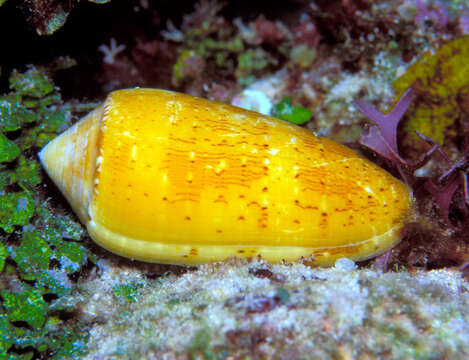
(166, 177)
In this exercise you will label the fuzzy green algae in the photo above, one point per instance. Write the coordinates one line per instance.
(40, 252)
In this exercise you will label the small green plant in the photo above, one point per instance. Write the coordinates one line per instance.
(295, 114)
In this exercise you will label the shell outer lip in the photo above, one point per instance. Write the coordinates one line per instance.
(180, 253)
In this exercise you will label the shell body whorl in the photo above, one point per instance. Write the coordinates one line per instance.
(166, 177)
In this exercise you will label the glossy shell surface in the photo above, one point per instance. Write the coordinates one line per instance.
(166, 177)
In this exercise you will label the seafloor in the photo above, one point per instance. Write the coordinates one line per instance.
(253, 309)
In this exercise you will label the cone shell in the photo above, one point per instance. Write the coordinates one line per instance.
(170, 178)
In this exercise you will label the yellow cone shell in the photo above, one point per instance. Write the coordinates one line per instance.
(165, 177)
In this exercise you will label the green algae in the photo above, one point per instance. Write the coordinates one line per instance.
(179, 72)
(13, 114)
(33, 254)
(9, 151)
(39, 251)
(15, 209)
(295, 114)
(441, 79)
(28, 173)
(128, 292)
(250, 63)
(33, 83)
(303, 56)
(3, 256)
(28, 306)
(207, 48)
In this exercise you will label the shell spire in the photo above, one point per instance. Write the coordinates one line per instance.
(70, 161)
